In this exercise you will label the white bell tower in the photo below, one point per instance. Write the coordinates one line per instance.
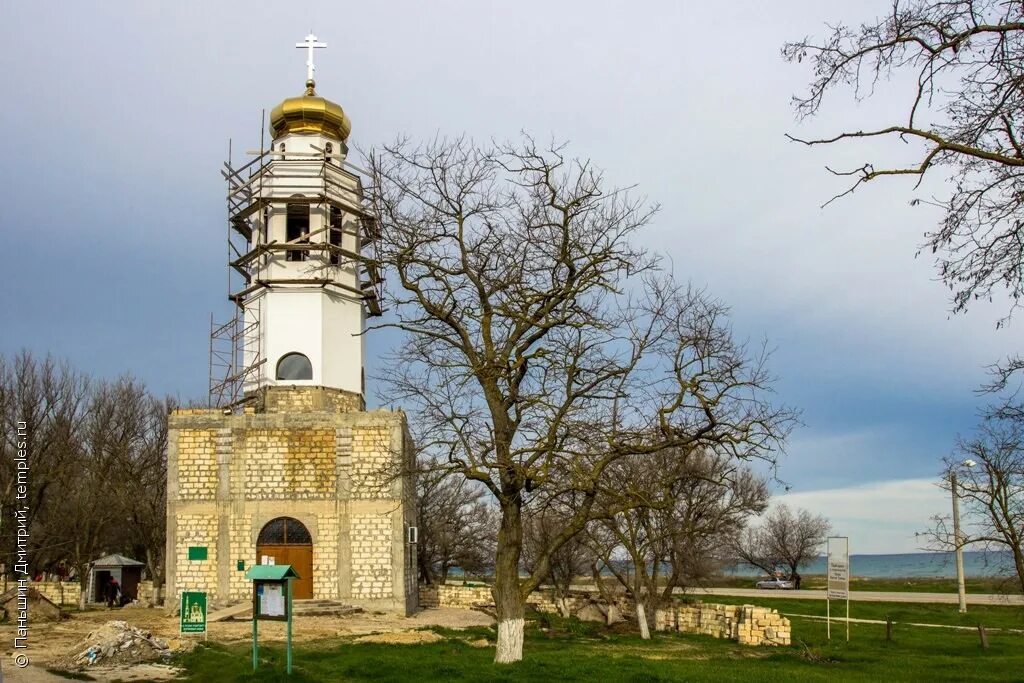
(299, 239)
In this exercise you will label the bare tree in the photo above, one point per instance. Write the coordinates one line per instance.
(457, 525)
(99, 501)
(784, 540)
(97, 467)
(542, 345)
(569, 561)
(685, 505)
(49, 400)
(141, 483)
(964, 115)
(992, 492)
(751, 547)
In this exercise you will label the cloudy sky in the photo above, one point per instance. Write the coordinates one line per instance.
(117, 117)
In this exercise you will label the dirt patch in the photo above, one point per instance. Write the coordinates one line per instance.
(401, 638)
(50, 643)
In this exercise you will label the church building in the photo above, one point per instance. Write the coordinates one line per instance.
(288, 467)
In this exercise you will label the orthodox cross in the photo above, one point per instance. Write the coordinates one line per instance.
(310, 44)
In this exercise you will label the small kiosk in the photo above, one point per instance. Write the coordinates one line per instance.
(271, 601)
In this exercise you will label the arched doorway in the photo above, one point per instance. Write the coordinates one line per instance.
(288, 541)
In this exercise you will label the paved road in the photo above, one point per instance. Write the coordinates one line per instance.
(870, 596)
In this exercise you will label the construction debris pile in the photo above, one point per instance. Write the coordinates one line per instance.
(118, 642)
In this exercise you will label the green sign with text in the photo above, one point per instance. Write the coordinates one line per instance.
(193, 612)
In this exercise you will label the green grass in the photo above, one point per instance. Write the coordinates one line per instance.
(992, 616)
(560, 650)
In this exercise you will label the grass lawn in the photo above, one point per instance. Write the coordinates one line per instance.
(992, 616)
(559, 650)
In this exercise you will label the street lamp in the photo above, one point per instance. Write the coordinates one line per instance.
(957, 540)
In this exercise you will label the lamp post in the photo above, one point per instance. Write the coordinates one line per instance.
(957, 540)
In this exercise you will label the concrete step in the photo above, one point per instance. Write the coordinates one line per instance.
(322, 608)
(307, 608)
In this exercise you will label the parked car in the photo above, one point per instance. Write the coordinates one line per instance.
(777, 584)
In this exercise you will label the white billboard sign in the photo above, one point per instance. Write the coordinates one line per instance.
(838, 579)
(838, 568)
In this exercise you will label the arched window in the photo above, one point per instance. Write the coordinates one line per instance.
(284, 531)
(329, 152)
(294, 366)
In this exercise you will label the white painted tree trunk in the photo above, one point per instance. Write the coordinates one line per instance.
(641, 619)
(563, 608)
(510, 641)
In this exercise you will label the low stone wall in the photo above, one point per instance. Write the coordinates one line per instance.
(52, 591)
(460, 597)
(470, 597)
(145, 592)
(746, 624)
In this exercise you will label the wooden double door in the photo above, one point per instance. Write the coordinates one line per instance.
(300, 557)
(287, 541)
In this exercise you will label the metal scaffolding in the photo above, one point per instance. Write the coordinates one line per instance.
(276, 178)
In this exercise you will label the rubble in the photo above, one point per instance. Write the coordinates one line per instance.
(118, 642)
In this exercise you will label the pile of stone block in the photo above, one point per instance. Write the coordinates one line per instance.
(746, 624)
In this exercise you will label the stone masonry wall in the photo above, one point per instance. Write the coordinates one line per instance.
(325, 558)
(198, 575)
(197, 464)
(373, 469)
(459, 597)
(333, 470)
(296, 463)
(53, 589)
(290, 399)
(371, 556)
(241, 545)
(746, 624)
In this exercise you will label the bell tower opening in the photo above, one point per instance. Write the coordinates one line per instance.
(297, 230)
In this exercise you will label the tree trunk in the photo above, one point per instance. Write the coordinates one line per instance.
(641, 620)
(1018, 563)
(508, 599)
(83, 584)
(795, 577)
(563, 606)
(156, 575)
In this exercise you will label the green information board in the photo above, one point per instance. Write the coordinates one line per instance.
(193, 612)
(197, 552)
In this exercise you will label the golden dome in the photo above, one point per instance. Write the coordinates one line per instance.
(310, 113)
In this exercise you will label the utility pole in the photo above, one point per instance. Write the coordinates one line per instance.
(961, 590)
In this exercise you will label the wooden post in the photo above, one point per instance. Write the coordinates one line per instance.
(888, 628)
(288, 610)
(984, 637)
(255, 642)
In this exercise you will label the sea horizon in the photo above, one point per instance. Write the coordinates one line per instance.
(923, 564)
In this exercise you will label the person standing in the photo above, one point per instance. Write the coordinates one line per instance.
(113, 591)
